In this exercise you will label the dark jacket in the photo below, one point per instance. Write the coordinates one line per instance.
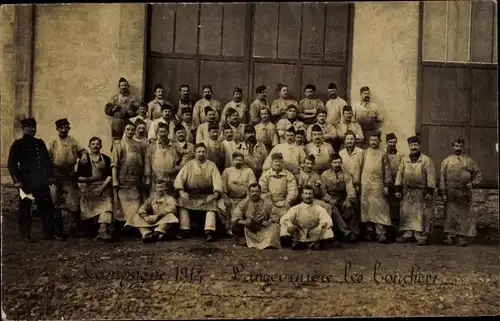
(85, 170)
(30, 163)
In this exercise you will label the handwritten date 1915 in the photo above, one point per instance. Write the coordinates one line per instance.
(189, 274)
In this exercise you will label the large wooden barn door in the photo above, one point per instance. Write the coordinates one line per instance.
(458, 85)
(247, 45)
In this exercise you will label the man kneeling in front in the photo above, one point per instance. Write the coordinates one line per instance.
(156, 215)
(307, 224)
(253, 221)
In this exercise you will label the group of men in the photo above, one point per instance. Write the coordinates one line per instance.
(282, 174)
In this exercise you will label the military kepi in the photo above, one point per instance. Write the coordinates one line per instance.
(276, 156)
(28, 122)
(413, 139)
(62, 122)
(390, 136)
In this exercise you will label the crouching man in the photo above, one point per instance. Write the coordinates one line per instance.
(156, 215)
(307, 224)
(253, 221)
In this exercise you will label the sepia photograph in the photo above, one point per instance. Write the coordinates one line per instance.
(253, 160)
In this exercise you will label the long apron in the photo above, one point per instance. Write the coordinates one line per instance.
(459, 219)
(374, 205)
(129, 195)
(416, 212)
(162, 163)
(265, 236)
(158, 207)
(95, 205)
(277, 190)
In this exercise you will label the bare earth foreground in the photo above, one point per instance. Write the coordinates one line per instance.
(84, 279)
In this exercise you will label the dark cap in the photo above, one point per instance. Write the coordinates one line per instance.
(413, 139)
(458, 140)
(310, 86)
(139, 121)
(346, 108)
(179, 127)
(207, 109)
(311, 158)
(62, 122)
(130, 123)
(375, 134)
(316, 128)
(291, 129)
(300, 132)
(166, 106)
(332, 85)
(390, 136)
(213, 125)
(335, 156)
(276, 156)
(27, 122)
(237, 90)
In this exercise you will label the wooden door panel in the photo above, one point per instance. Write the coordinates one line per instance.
(481, 47)
(321, 76)
(224, 76)
(162, 28)
(290, 16)
(186, 28)
(272, 74)
(233, 31)
(171, 73)
(445, 94)
(210, 29)
(313, 31)
(336, 32)
(484, 108)
(265, 30)
(482, 150)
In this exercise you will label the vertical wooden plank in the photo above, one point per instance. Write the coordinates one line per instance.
(482, 31)
(458, 31)
(337, 31)
(434, 40)
(224, 76)
(484, 107)
(162, 28)
(210, 29)
(313, 31)
(233, 34)
(272, 74)
(186, 28)
(321, 76)
(289, 29)
(446, 94)
(482, 150)
(265, 29)
(495, 34)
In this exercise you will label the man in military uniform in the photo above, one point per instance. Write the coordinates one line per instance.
(31, 169)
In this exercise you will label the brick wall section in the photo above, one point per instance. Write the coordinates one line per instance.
(485, 206)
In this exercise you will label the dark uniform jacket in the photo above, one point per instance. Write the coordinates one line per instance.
(30, 163)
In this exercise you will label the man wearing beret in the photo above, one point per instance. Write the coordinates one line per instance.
(31, 169)
(65, 150)
(415, 184)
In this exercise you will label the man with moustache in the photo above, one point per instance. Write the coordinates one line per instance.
(142, 115)
(266, 132)
(278, 185)
(127, 166)
(199, 184)
(65, 151)
(329, 131)
(259, 103)
(183, 102)
(235, 182)
(351, 158)
(162, 161)
(322, 151)
(334, 105)
(238, 105)
(459, 176)
(308, 177)
(279, 106)
(166, 118)
(230, 146)
(187, 122)
(121, 107)
(300, 138)
(338, 191)
(199, 114)
(375, 180)
(253, 222)
(307, 223)
(32, 172)
(290, 121)
(308, 106)
(154, 106)
(415, 184)
(347, 123)
(202, 132)
(293, 155)
(394, 157)
(186, 148)
(233, 121)
(254, 152)
(140, 132)
(216, 151)
(368, 115)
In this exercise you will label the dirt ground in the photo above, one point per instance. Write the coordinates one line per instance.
(84, 279)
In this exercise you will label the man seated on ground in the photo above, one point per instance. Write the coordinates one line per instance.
(253, 221)
(156, 215)
(307, 223)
